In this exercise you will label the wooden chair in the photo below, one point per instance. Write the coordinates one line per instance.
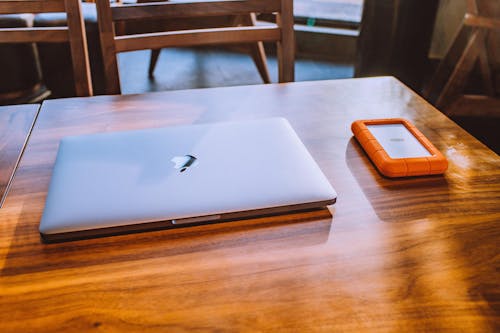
(74, 33)
(256, 49)
(468, 48)
(281, 33)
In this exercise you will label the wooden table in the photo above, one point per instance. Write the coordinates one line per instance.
(415, 254)
(16, 122)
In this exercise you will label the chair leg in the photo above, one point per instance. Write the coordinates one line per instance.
(153, 60)
(79, 49)
(260, 60)
(456, 81)
(108, 48)
(257, 49)
(484, 65)
(286, 48)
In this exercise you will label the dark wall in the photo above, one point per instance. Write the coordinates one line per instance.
(394, 39)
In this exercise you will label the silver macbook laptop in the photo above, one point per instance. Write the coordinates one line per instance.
(112, 183)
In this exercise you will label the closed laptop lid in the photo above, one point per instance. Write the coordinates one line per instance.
(126, 178)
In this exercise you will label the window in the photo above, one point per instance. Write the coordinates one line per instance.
(336, 13)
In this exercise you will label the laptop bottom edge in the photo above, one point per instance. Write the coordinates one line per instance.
(179, 223)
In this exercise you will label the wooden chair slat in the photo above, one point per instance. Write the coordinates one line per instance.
(31, 6)
(34, 35)
(481, 22)
(197, 37)
(180, 9)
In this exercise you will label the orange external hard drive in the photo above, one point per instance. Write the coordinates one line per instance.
(397, 148)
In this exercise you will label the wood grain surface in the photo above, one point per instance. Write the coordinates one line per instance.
(413, 254)
(15, 125)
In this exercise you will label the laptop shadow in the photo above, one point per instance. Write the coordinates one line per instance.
(28, 254)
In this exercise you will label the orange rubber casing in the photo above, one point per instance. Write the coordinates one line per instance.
(399, 167)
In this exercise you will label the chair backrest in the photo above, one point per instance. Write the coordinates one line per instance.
(74, 33)
(470, 46)
(281, 33)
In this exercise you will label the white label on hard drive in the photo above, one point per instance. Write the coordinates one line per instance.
(398, 141)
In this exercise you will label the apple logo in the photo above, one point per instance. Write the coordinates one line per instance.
(182, 163)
